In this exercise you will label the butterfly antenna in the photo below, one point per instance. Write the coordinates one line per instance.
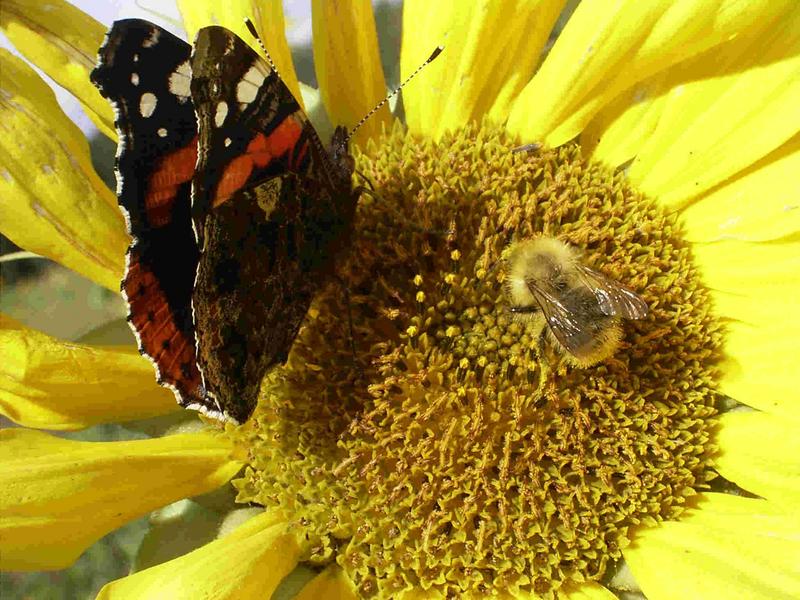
(429, 60)
(252, 29)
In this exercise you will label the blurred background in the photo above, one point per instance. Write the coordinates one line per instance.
(43, 295)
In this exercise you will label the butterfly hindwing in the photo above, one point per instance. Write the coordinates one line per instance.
(145, 72)
(248, 312)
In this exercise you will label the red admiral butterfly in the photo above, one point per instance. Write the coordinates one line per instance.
(236, 210)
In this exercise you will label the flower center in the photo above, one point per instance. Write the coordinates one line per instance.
(447, 443)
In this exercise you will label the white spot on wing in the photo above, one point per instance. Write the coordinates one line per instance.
(248, 87)
(227, 142)
(152, 40)
(221, 113)
(162, 132)
(147, 104)
(135, 78)
(180, 80)
(135, 58)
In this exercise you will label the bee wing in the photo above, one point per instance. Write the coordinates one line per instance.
(613, 297)
(571, 331)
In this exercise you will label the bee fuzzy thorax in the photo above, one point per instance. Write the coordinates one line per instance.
(540, 259)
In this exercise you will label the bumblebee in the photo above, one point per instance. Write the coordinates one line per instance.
(581, 307)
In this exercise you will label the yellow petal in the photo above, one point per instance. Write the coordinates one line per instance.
(585, 591)
(62, 41)
(755, 286)
(331, 584)
(51, 384)
(761, 370)
(59, 496)
(491, 51)
(608, 47)
(248, 563)
(506, 69)
(730, 547)
(427, 25)
(616, 133)
(753, 282)
(761, 453)
(724, 111)
(348, 65)
(267, 18)
(760, 204)
(54, 203)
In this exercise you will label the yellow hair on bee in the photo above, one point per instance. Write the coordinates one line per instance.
(531, 259)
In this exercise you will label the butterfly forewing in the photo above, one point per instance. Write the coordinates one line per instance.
(251, 127)
(269, 219)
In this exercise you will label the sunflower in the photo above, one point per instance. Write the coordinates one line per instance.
(437, 447)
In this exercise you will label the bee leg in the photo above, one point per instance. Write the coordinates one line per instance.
(543, 371)
(526, 148)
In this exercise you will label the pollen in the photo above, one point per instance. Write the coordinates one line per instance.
(439, 443)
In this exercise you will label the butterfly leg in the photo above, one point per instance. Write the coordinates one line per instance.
(348, 302)
(399, 217)
(351, 332)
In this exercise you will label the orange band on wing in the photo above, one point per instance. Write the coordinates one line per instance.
(172, 171)
(261, 150)
(160, 335)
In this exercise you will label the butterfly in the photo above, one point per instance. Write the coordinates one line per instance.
(237, 212)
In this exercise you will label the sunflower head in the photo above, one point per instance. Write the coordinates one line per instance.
(457, 449)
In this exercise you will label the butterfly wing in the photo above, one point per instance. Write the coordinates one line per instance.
(251, 127)
(268, 214)
(144, 71)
